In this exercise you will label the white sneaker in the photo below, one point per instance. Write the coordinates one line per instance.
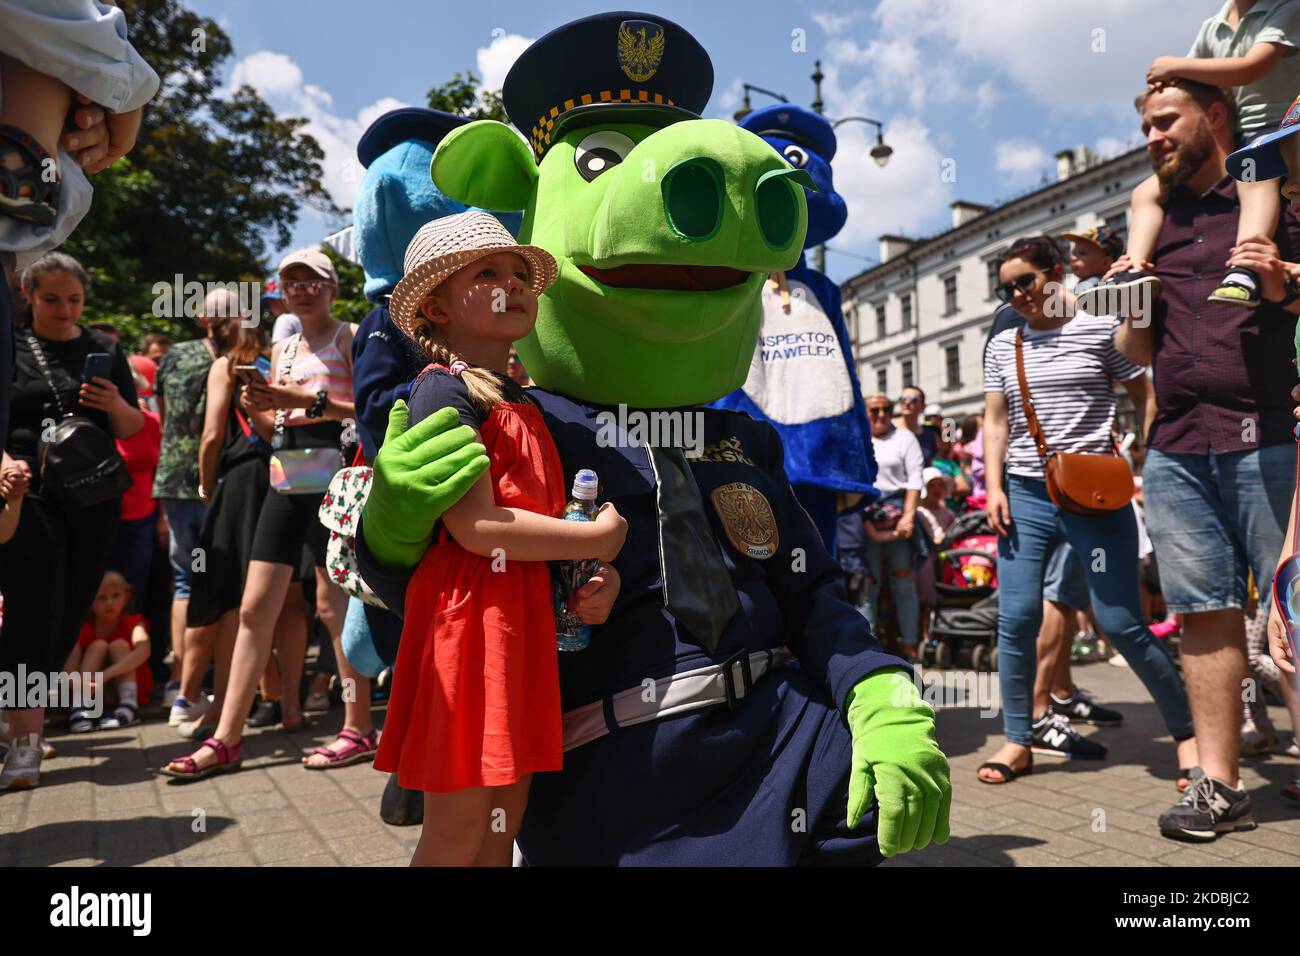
(22, 768)
(184, 709)
(198, 729)
(171, 692)
(1118, 661)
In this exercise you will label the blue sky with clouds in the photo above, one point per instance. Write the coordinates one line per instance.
(998, 86)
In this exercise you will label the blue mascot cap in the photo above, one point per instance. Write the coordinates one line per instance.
(397, 126)
(1265, 151)
(611, 67)
(396, 196)
(799, 125)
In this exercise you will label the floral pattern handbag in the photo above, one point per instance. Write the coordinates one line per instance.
(340, 510)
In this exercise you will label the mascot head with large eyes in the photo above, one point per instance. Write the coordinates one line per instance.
(664, 225)
(807, 141)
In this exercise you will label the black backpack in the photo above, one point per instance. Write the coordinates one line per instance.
(79, 464)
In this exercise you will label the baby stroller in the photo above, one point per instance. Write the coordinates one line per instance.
(964, 623)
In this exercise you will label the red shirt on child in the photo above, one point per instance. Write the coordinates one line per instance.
(125, 627)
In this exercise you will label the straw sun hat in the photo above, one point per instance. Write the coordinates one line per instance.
(446, 245)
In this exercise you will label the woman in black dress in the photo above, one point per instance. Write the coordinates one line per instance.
(50, 570)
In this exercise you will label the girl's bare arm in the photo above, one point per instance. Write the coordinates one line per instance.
(480, 525)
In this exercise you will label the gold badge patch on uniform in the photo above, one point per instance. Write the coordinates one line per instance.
(747, 517)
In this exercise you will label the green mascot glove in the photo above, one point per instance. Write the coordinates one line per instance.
(895, 756)
(419, 474)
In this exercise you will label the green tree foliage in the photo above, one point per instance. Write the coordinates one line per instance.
(351, 304)
(211, 179)
(464, 96)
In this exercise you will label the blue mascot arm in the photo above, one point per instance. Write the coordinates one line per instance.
(383, 367)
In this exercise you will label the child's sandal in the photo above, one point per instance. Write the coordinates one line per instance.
(124, 715)
(30, 192)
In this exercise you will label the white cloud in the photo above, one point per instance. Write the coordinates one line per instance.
(495, 59)
(1017, 157)
(1070, 58)
(906, 196)
(279, 81)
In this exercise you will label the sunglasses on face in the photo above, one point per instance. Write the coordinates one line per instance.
(1022, 283)
(909, 400)
(312, 287)
(879, 412)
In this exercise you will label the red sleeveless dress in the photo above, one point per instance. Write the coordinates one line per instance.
(476, 688)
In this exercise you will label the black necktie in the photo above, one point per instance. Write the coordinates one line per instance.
(697, 588)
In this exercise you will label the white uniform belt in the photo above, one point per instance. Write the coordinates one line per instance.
(726, 683)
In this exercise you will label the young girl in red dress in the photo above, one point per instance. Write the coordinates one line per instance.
(475, 705)
(114, 636)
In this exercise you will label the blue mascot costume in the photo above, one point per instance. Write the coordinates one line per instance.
(803, 378)
(395, 199)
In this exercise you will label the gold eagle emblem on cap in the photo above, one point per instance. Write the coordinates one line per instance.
(640, 48)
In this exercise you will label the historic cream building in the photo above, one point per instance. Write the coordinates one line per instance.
(922, 316)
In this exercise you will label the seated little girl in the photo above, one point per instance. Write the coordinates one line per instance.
(122, 639)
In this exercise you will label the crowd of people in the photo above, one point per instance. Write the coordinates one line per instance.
(1154, 546)
(1203, 294)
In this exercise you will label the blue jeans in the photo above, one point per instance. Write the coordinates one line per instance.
(132, 554)
(1107, 545)
(895, 558)
(184, 522)
(1214, 517)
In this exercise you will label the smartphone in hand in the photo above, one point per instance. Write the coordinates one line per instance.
(249, 374)
(97, 365)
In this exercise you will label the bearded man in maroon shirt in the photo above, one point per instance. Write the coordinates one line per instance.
(1220, 464)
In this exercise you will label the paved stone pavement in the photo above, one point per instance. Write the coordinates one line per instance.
(102, 803)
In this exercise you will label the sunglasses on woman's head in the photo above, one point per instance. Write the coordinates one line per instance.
(1023, 282)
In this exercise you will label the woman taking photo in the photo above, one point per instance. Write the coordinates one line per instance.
(232, 479)
(1069, 359)
(51, 569)
(311, 395)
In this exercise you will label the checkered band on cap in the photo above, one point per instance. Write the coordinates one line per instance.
(540, 137)
(443, 246)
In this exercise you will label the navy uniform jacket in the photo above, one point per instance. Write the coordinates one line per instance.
(765, 784)
(384, 362)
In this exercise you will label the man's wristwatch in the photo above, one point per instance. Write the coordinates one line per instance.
(1292, 290)
(317, 408)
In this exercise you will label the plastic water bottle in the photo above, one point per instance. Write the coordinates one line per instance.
(570, 633)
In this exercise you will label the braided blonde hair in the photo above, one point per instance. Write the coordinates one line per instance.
(484, 388)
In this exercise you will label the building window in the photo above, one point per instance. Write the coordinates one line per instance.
(952, 366)
(906, 302)
(907, 373)
(950, 294)
(882, 380)
(1119, 224)
(993, 277)
(881, 330)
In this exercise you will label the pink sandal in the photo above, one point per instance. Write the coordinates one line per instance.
(228, 761)
(358, 748)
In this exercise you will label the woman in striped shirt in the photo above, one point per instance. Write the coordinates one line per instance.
(1070, 361)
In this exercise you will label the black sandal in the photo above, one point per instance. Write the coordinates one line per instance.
(1007, 773)
(27, 193)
